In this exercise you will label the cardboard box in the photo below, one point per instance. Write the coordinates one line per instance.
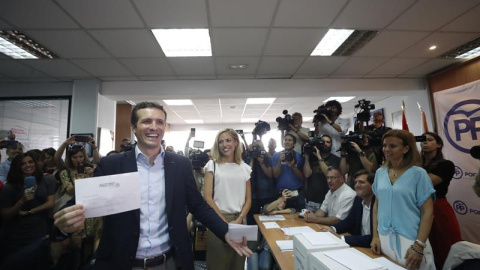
(319, 261)
(302, 248)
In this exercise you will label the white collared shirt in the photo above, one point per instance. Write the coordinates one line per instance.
(154, 238)
(365, 219)
(339, 203)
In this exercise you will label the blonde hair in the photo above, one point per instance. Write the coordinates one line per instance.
(412, 157)
(215, 152)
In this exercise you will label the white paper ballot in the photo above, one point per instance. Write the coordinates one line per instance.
(236, 232)
(271, 218)
(297, 230)
(285, 245)
(321, 238)
(271, 225)
(352, 260)
(108, 195)
(388, 264)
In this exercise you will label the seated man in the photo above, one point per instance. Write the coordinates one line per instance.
(337, 203)
(359, 221)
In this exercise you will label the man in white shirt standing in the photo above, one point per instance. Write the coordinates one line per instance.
(334, 126)
(337, 203)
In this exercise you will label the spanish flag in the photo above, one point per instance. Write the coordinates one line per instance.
(424, 119)
(404, 119)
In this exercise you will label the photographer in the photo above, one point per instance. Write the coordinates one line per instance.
(356, 156)
(331, 125)
(315, 170)
(13, 149)
(296, 130)
(287, 169)
(262, 184)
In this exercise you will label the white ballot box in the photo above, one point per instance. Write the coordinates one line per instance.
(342, 259)
(306, 243)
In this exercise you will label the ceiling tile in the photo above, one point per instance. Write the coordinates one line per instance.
(370, 15)
(157, 78)
(233, 77)
(222, 65)
(444, 41)
(5, 25)
(15, 69)
(293, 42)
(197, 77)
(122, 78)
(279, 65)
(129, 43)
(243, 13)
(397, 66)
(431, 66)
(390, 43)
(148, 66)
(57, 67)
(37, 79)
(205, 102)
(173, 13)
(102, 14)
(35, 14)
(69, 43)
(244, 41)
(192, 65)
(321, 65)
(431, 14)
(359, 66)
(469, 22)
(307, 13)
(102, 67)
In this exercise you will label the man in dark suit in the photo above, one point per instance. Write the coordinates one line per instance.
(157, 232)
(359, 221)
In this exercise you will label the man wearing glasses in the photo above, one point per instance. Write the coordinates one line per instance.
(337, 203)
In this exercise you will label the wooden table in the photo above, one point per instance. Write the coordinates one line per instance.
(285, 259)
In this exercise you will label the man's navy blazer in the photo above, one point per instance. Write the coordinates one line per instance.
(119, 242)
(353, 225)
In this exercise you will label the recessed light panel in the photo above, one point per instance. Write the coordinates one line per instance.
(260, 100)
(17, 45)
(339, 99)
(194, 121)
(331, 41)
(178, 102)
(184, 42)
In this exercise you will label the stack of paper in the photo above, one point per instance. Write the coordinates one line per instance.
(388, 264)
(353, 261)
(321, 238)
(297, 230)
(236, 232)
(271, 218)
(285, 245)
(271, 225)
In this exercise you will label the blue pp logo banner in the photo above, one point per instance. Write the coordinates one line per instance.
(462, 124)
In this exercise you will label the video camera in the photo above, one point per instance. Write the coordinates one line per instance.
(9, 144)
(261, 127)
(365, 107)
(355, 137)
(475, 152)
(320, 112)
(309, 147)
(126, 147)
(284, 123)
(256, 151)
(199, 159)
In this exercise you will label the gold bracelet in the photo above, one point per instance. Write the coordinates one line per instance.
(412, 248)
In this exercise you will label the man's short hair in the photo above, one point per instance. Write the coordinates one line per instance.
(370, 176)
(328, 136)
(144, 105)
(294, 139)
(331, 169)
(336, 104)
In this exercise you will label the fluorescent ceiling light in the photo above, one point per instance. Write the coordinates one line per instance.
(194, 121)
(12, 50)
(178, 102)
(248, 120)
(331, 41)
(241, 66)
(339, 99)
(184, 42)
(131, 102)
(470, 54)
(260, 100)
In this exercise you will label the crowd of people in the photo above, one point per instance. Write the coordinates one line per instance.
(391, 198)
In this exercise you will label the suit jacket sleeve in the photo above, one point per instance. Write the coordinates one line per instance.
(352, 220)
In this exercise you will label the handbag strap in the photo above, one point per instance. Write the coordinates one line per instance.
(213, 184)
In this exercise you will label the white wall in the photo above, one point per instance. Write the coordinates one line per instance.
(35, 89)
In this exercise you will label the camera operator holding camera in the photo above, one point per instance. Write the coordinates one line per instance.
(287, 169)
(296, 130)
(315, 170)
(262, 184)
(356, 154)
(330, 123)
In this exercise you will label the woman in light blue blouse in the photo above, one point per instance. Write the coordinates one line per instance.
(403, 214)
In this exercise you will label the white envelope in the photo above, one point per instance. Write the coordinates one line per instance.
(236, 232)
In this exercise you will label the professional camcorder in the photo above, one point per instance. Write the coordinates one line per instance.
(126, 147)
(355, 137)
(365, 107)
(9, 144)
(284, 123)
(256, 151)
(261, 127)
(320, 112)
(199, 159)
(309, 147)
(475, 152)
